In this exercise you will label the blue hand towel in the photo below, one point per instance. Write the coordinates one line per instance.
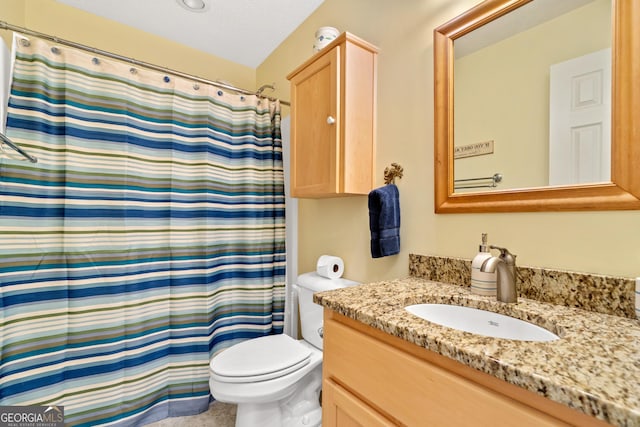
(384, 221)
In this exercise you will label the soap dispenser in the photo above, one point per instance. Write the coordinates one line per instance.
(482, 283)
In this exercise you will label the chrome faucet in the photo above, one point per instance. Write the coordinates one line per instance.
(505, 264)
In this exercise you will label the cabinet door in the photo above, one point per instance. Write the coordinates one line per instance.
(342, 409)
(315, 124)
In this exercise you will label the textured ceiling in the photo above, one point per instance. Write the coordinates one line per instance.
(242, 31)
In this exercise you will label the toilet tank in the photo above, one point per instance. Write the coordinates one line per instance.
(310, 312)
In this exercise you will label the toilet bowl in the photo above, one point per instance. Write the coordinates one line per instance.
(275, 380)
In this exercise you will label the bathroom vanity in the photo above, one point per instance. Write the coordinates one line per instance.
(385, 366)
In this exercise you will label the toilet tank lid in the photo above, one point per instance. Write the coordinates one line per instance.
(316, 283)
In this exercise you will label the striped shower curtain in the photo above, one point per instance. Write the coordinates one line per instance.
(149, 235)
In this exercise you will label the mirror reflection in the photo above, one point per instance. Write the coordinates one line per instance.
(532, 99)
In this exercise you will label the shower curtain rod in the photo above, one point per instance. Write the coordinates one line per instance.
(6, 26)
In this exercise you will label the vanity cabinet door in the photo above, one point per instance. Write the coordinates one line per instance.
(332, 121)
(343, 409)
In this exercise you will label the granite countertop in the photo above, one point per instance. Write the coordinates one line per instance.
(594, 367)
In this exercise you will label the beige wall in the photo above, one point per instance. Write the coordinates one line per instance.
(12, 11)
(595, 242)
(65, 22)
(502, 94)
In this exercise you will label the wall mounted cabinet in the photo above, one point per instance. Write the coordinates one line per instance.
(333, 115)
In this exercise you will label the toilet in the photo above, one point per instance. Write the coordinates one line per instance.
(275, 380)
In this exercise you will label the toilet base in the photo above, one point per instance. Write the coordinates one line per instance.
(259, 414)
(300, 409)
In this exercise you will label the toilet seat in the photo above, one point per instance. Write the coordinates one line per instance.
(259, 359)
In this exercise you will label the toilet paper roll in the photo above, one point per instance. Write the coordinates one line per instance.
(331, 267)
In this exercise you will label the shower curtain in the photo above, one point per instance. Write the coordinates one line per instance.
(149, 235)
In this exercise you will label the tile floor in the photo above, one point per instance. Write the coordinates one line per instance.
(219, 415)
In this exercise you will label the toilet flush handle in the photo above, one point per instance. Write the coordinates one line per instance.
(321, 332)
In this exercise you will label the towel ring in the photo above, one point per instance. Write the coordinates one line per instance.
(392, 172)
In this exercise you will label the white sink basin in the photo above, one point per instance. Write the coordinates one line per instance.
(481, 322)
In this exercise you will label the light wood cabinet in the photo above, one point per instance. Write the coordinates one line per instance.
(333, 113)
(342, 408)
(374, 379)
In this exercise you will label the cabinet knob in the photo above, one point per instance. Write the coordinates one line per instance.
(330, 120)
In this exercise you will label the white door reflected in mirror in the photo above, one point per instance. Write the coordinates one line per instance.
(580, 120)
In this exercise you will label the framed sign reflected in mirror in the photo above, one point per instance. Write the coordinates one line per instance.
(535, 105)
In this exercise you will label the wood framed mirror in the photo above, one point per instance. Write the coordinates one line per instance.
(622, 192)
